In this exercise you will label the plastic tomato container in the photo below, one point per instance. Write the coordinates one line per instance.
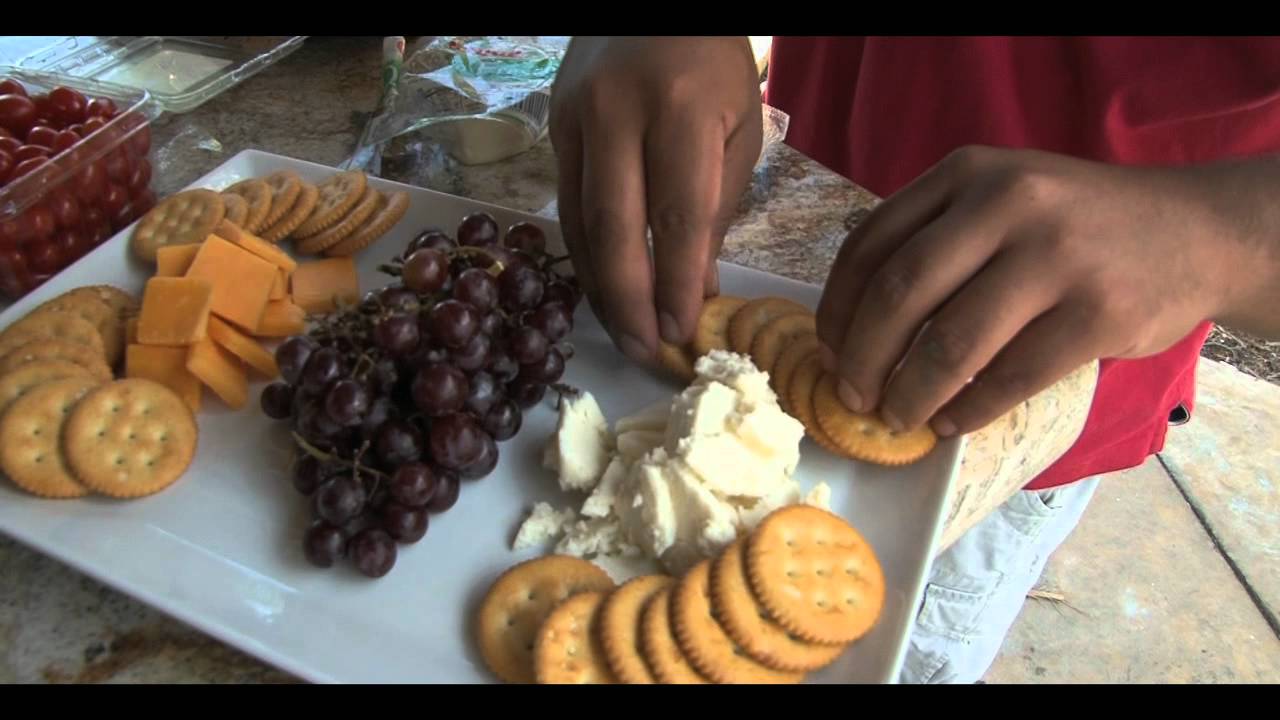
(85, 191)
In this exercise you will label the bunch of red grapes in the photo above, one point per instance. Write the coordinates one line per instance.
(394, 403)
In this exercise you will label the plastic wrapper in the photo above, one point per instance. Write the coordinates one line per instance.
(469, 100)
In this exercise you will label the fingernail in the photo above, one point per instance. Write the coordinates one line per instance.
(892, 421)
(669, 328)
(634, 349)
(828, 358)
(849, 396)
(943, 427)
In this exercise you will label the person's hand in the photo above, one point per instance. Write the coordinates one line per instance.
(658, 134)
(998, 272)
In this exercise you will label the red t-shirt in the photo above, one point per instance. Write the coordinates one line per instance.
(880, 111)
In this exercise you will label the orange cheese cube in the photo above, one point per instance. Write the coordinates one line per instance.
(243, 347)
(221, 371)
(319, 285)
(241, 281)
(282, 319)
(280, 289)
(175, 311)
(167, 366)
(173, 260)
(256, 245)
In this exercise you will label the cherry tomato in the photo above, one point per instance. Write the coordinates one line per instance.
(90, 183)
(101, 234)
(117, 165)
(66, 210)
(42, 136)
(140, 177)
(26, 152)
(6, 165)
(71, 245)
(101, 107)
(17, 113)
(10, 144)
(67, 104)
(24, 167)
(141, 141)
(41, 221)
(122, 219)
(92, 218)
(64, 141)
(43, 109)
(114, 198)
(9, 86)
(15, 276)
(6, 134)
(44, 256)
(12, 232)
(92, 125)
(143, 202)
(78, 129)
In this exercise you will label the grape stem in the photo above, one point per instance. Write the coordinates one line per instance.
(563, 389)
(325, 457)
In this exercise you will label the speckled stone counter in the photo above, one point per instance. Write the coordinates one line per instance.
(56, 625)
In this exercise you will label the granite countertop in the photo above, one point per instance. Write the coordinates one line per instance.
(57, 625)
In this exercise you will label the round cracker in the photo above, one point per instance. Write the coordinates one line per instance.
(180, 219)
(85, 303)
(391, 210)
(800, 400)
(676, 361)
(749, 625)
(19, 381)
(53, 325)
(705, 642)
(712, 332)
(237, 209)
(777, 335)
(780, 377)
(753, 315)
(258, 195)
(130, 438)
(620, 628)
(285, 185)
(815, 575)
(567, 650)
(338, 193)
(865, 436)
(520, 600)
(125, 304)
(30, 432)
(45, 350)
(298, 214)
(661, 652)
(336, 233)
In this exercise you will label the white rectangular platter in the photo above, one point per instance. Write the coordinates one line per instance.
(221, 549)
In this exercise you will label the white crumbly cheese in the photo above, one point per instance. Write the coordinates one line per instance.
(545, 523)
(600, 503)
(652, 418)
(594, 537)
(579, 450)
(634, 444)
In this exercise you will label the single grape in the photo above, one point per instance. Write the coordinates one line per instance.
(526, 392)
(478, 229)
(498, 254)
(503, 420)
(527, 237)
(446, 493)
(398, 443)
(491, 325)
(374, 552)
(430, 239)
(553, 320)
(484, 464)
(277, 400)
(520, 258)
(405, 524)
(316, 425)
(440, 389)
(474, 355)
(346, 402)
(338, 500)
(503, 367)
(292, 356)
(324, 366)
(548, 370)
(380, 410)
(397, 298)
(483, 393)
(528, 345)
(425, 270)
(396, 334)
(455, 441)
(381, 496)
(413, 484)
(308, 473)
(519, 288)
(477, 288)
(561, 292)
(323, 544)
(453, 323)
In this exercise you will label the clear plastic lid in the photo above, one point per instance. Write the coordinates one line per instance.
(180, 73)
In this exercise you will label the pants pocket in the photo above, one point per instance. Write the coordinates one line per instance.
(952, 612)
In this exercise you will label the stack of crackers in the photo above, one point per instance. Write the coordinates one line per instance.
(338, 216)
(785, 601)
(67, 427)
(780, 337)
